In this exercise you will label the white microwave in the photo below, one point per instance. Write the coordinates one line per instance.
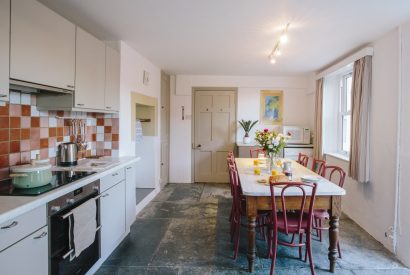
(298, 135)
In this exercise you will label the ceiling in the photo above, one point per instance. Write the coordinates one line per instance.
(234, 37)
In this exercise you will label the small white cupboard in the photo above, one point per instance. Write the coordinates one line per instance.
(42, 45)
(130, 194)
(89, 72)
(112, 79)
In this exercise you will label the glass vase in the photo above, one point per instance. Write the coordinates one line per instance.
(274, 160)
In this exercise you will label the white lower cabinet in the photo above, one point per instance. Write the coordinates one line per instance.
(28, 256)
(130, 189)
(112, 203)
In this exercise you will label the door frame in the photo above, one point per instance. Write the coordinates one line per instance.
(196, 89)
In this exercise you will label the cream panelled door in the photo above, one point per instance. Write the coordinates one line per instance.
(214, 134)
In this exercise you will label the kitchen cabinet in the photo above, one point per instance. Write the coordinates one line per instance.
(112, 79)
(130, 199)
(4, 48)
(42, 45)
(89, 72)
(112, 203)
(32, 251)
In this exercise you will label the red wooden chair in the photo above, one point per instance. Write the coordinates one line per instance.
(303, 159)
(293, 222)
(336, 175)
(318, 166)
(255, 152)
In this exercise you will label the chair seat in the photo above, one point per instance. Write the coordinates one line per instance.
(293, 222)
(321, 214)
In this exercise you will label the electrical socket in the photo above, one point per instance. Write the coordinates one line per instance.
(390, 233)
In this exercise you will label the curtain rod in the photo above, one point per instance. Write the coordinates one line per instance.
(346, 61)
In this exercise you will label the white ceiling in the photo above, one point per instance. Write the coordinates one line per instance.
(234, 37)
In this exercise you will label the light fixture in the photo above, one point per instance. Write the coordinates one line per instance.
(283, 39)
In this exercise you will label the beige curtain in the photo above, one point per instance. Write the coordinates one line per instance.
(359, 167)
(317, 142)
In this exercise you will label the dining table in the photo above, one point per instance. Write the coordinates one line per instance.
(258, 197)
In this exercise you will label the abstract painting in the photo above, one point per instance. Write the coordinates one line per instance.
(271, 107)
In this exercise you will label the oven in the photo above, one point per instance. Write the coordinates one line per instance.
(61, 245)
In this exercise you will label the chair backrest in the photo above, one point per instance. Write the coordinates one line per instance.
(318, 166)
(303, 187)
(255, 152)
(235, 188)
(303, 159)
(334, 172)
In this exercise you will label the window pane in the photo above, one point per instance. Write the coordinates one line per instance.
(346, 133)
(348, 93)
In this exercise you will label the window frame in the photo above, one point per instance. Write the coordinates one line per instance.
(343, 112)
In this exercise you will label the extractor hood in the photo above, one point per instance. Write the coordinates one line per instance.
(33, 88)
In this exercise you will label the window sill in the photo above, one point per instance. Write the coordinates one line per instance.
(338, 156)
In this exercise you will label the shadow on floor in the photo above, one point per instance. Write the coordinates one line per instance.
(184, 230)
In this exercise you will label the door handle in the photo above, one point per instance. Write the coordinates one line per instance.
(198, 146)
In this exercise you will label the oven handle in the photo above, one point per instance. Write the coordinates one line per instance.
(72, 250)
(65, 216)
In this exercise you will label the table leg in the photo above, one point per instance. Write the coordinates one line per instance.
(333, 239)
(251, 242)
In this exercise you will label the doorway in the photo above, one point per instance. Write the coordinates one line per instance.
(214, 133)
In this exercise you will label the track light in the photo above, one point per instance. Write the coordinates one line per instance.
(283, 39)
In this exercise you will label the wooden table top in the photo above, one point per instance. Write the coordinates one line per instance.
(250, 186)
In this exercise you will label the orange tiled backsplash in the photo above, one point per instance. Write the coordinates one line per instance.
(26, 132)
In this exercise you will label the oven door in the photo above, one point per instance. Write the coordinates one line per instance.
(61, 249)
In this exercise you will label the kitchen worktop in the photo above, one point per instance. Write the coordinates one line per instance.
(13, 206)
(253, 144)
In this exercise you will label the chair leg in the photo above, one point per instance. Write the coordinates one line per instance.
(320, 230)
(293, 238)
(237, 235)
(269, 243)
(300, 247)
(275, 242)
(309, 251)
(338, 249)
(315, 226)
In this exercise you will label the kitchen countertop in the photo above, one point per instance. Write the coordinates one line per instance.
(13, 206)
(252, 144)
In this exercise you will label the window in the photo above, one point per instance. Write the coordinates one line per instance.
(345, 114)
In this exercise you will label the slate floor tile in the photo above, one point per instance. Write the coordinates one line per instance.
(185, 230)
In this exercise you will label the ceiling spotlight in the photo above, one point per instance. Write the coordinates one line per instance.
(272, 60)
(278, 52)
(284, 38)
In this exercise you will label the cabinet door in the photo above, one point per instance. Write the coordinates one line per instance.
(112, 79)
(90, 71)
(28, 256)
(130, 199)
(112, 204)
(42, 45)
(4, 48)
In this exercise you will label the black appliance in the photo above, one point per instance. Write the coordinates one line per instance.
(61, 244)
(59, 179)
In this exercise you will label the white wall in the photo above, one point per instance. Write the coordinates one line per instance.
(132, 66)
(372, 205)
(297, 93)
(403, 234)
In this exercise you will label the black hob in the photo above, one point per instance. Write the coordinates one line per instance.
(59, 179)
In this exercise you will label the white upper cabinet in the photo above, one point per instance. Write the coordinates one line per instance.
(42, 45)
(89, 72)
(4, 48)
(112, 80)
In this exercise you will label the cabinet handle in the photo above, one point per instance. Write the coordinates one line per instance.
(115, 174)
(2, 95)
(13, 224)
(128, 168)
(70, 86)
(80, 104)
(41, 236)
(107, 107)
(105, 195)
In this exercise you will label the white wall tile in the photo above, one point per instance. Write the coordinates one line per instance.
(34, 111)
(52, 122)
(15, 98)
(107, 145)
(34, 153)
(100, 129)
(26, 99)
(100, 137)
(51, 152)
(66, 138)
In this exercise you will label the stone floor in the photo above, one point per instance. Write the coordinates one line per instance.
(184, 230)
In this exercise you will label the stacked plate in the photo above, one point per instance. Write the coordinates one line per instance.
(309, 178)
